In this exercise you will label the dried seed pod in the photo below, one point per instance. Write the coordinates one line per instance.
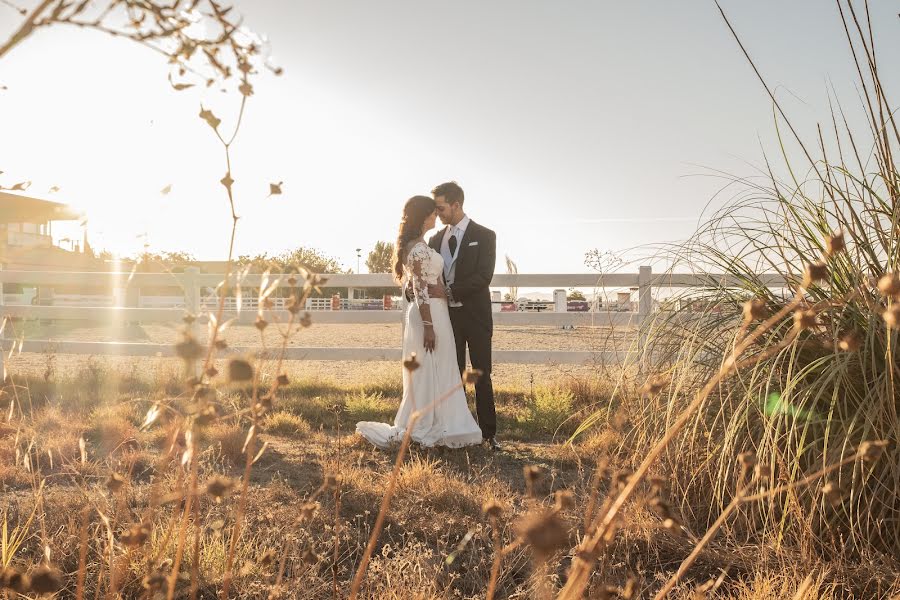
(832, 493)
(532, 473)
(817, 271)
(307, 511)
(891, 316)
(188, 319)
(221, 344)
(309, 556)
(15, 580)
(835, 243)
(282, 379)
(471, 376)
(306, 320)
(212, 372)
(492, 508)
(631, 589)
(292, 281)
(219, 487)
(206, 415)
(188, 349)
(293, 305)
(653, 385)
(889, 285)
(872, 451)
(747, 459)
(136, 536)
(763, 471)
(115, 483)
(411, 364)
(163, 500)
(265, 403)
(661, 508)
(155, 581)
(755, 310)
(657, 483)
(266, 558)
(804, 319)
(260, 323)
(45, 580)
(850, 341)
(620, 479)
(544, 532)
(565, 500)
(240, 370)
(672, 526)
(331, 481)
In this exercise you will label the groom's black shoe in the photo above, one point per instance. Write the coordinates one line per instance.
(493, 444)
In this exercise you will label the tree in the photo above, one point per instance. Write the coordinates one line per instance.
(310, 259)
(575, 295)
(381, 258)
(288, 262)
(154, 262)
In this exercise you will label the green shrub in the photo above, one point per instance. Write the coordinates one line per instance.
(286, 423)
(549, 411)
(369, 407)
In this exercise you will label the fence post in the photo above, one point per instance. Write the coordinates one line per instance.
(645, 307)
(192, 293)
(645, 295)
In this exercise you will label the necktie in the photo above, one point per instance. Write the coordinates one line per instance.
(451, 243)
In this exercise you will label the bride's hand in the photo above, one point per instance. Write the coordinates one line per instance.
(429, 338)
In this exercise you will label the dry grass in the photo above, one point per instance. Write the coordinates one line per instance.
(436, 542)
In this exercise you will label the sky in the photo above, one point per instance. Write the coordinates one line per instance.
(571, 125)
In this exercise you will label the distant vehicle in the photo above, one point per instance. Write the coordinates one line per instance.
(578, 306)
(535, 305)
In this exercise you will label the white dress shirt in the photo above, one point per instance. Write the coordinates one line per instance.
(459, 230)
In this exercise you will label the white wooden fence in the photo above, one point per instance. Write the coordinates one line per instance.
(192, 282)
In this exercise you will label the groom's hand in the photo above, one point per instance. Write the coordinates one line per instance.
(437, 291)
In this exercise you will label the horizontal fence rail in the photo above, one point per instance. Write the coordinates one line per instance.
(122, 302)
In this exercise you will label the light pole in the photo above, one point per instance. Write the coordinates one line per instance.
(358, 255)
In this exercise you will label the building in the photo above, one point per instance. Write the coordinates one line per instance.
(26, 241)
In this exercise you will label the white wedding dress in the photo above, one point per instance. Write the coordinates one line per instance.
(446, 422)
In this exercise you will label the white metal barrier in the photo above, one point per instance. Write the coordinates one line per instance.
(133, 307)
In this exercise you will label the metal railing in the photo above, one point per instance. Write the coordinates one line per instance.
(125, 287)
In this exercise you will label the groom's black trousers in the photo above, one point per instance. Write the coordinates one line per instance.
(477, 336)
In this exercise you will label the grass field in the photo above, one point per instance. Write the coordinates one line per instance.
(108, 519)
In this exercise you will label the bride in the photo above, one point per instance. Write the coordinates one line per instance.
(429, 334)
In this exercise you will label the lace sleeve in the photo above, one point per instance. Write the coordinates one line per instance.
(416, 263)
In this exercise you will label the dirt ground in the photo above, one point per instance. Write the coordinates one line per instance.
(333, 335)
(322, 335)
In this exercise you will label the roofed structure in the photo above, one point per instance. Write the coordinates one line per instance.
(22, 209)
(26, 240)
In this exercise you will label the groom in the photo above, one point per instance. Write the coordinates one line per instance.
(469, 251)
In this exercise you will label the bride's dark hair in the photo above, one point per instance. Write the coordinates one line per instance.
(415, 211)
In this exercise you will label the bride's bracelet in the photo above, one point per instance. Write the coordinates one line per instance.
(427, 323)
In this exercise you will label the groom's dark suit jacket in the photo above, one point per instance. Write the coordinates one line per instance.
(475, 260)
